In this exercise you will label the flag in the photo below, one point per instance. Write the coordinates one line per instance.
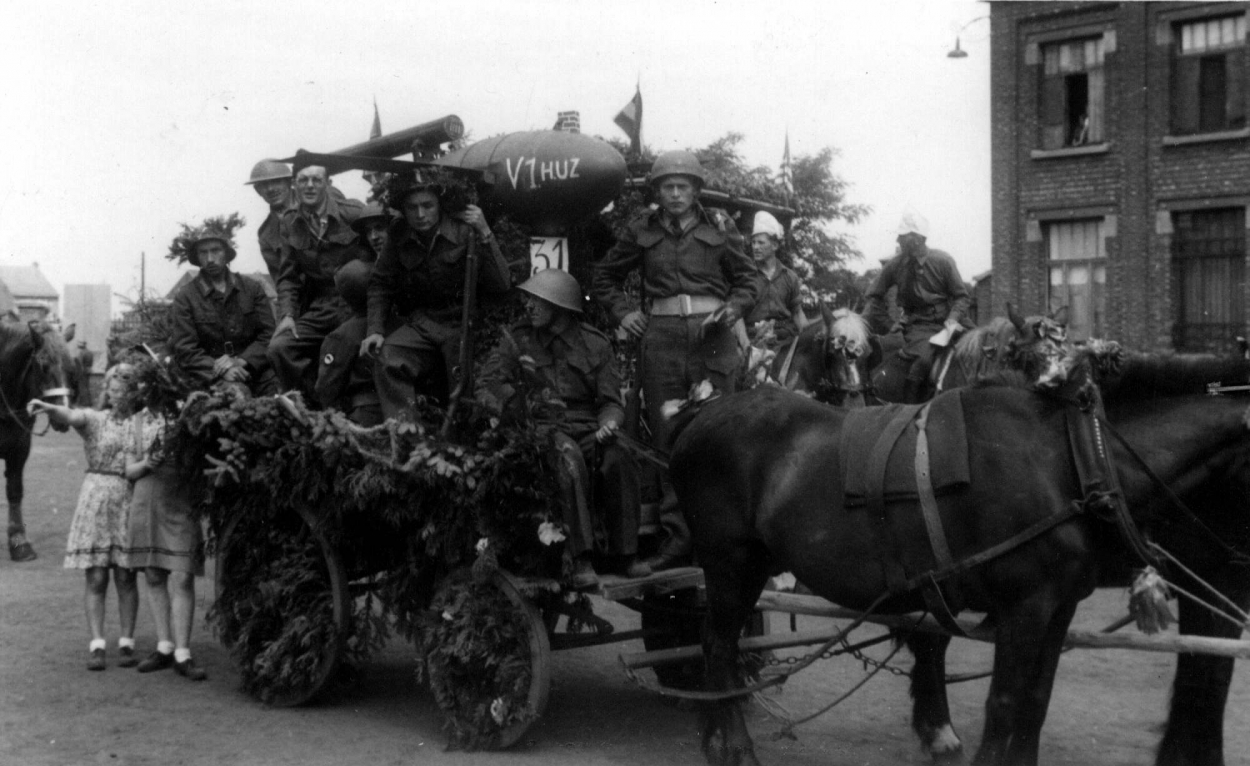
(376, 130)
(629, 119)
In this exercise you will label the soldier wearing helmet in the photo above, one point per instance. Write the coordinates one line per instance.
(317, 240)
(221, 322)
(781, 298)
(419, 281)
(555, 355)
(272, 181)
(697, 284)
(931, 294)
(372, 224)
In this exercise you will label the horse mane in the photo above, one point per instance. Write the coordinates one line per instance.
(50, 354)
(970, 347)
(1152, 376)
(852, 326)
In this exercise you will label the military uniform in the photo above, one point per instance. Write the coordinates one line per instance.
(311, 252)
(686, 275)
(779, 299)
(579, 368)
(208, 324)
(421, 278)
(345, 378)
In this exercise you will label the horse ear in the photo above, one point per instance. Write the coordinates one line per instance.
(1015, 318)
(1060, 316)
(68, 335)
(36, 339)
(826, 313)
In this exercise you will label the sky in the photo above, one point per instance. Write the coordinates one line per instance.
(122, 119)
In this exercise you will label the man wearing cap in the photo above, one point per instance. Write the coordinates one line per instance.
(371, 227)
(345, 378)
(931, 294)
(781, 292)
(696, 284)
(317, 240)
(272, 181)
(222, 321)
(552, 351)
(420, 278)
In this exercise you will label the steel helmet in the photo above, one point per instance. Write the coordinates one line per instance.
(268, 170)
(370, 212)
(352, 282)
(557, 287)
(677, 163)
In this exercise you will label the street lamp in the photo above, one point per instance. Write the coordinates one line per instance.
(958, 52)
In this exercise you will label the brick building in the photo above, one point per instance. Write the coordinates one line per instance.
(1121, 168)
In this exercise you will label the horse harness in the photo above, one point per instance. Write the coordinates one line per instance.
(1100, 486)
(20, 416)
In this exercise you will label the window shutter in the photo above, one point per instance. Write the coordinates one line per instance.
(1097, 78)
(1235, 106)
(1185, 76)
(1052, 111)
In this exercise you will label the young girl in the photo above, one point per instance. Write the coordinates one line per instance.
(166, 541)
(98, 534)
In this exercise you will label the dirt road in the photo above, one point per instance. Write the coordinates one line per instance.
(1107, 708)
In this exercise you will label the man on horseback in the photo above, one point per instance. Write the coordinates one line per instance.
(696, 285)
(552, 351)
(933, 299)
(781, 298)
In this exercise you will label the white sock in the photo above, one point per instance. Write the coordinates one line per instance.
(165, 647)
(182, 655)
(125, 642)
(97, 643)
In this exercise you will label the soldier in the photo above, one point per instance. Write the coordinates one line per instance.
(222, 322)
(551, 349)
(317, 240)
(84, 360)
(371, 226)
(420, 276)
(932, 295)
(345, 380)
(272, 181)
(697, 284)
(781, 296)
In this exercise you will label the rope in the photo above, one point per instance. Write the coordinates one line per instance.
(1243, 619)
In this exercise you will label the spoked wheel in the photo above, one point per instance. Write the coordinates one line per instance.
(488, 659)
(283, 607)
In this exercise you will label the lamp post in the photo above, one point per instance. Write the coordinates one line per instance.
(958, 52)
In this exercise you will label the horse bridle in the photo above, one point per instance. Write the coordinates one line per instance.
(14, 414)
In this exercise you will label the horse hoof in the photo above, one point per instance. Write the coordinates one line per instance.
(22, 551)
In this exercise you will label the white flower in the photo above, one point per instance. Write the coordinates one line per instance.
(497, 710)
(549, 533)
(482, 545)
(446, 616)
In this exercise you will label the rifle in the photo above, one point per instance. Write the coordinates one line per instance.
(464, 380)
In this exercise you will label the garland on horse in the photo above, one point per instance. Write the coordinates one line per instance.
(754, 473)
(34, 363)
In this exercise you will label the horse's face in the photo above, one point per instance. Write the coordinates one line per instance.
(830, 360)
(43, 363)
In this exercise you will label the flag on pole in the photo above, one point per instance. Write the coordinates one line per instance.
(629, 119)
(376, 130)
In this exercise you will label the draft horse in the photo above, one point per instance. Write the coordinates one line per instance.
(755, 476)
(34, 362)
(1218, 493)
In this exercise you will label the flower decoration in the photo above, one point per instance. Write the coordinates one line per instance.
(182, 248)
(549, 533)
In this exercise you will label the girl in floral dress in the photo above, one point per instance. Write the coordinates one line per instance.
(98, 534)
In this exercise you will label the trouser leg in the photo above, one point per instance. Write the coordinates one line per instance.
(406, 357)
(295, 356)
(619, 498)
(574, 482)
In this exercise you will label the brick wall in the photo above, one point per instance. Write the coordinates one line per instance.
(1133, 181)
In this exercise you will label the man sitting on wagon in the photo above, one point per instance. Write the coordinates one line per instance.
(574, 366)
(221, 321)
(345, 379)
(419, 277)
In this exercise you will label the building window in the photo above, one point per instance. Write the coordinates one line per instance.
(1208, 278)
(1073, 84)
(1077, 259)
(1209, 76)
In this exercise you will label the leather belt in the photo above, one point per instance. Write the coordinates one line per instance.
(685, 305)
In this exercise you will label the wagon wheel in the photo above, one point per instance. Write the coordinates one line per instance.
(677, 619)
(488, 659)
(280, 587)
